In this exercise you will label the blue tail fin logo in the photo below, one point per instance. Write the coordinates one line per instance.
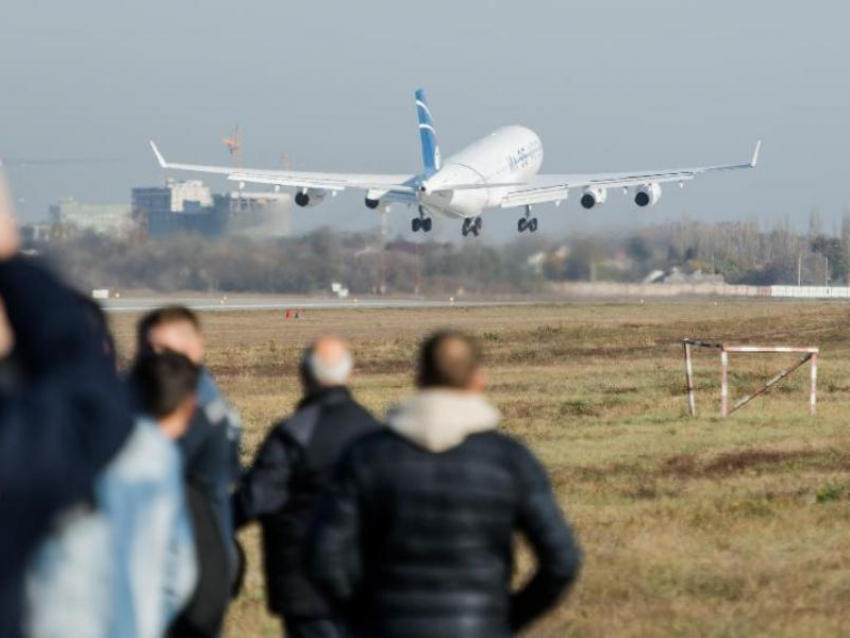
(431, 158)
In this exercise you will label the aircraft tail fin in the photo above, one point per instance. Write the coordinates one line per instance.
(431, 158)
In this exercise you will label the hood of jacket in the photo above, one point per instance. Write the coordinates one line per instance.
(439, 420)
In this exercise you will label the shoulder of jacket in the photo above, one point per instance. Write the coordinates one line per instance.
(373, 442)
(146, 454)
(300, 426)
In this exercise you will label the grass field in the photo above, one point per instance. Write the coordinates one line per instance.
(691, 526)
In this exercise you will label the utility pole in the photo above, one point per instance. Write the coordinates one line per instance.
(382, 284)
(799, 270)
(826, 271)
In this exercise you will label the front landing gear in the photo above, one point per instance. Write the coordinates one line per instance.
(423, 222)
(528, 222)
(472, 225)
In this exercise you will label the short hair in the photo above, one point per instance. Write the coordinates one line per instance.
(162, 382)
(314, 374)
(448, 359)
(162, 316)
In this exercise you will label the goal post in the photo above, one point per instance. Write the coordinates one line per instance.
(808, 354)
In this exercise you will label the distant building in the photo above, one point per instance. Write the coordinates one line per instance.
(177, 207)
(190, 207)
(104, 219)
(677, 276)
(34, 234)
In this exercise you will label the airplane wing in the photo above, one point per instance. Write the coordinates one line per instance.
(298, 179)
(553, 188)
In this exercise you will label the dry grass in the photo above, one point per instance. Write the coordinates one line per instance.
(690, 526)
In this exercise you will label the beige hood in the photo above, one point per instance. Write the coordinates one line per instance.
(439, 420)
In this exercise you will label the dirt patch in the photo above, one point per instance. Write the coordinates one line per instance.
(691, 466)
(735, 462)
(688, 465)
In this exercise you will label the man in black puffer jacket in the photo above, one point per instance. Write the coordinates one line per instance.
(293, 467)
(416, 538)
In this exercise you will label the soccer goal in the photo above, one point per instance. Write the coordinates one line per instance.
(807, 355)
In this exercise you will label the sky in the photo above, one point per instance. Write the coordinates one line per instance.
(608, 85)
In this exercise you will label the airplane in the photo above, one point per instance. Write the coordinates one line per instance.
(497, 171)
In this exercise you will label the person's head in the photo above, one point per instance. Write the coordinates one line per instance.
(165, 387)
(450, 360)
(326, 363)
(172, 328)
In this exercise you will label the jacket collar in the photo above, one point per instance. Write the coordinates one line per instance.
(439, 420)
(324, 396)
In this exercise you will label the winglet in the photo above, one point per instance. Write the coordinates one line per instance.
(159, 157)
(754, 162)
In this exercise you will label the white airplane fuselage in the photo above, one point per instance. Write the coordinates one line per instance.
(508, 155)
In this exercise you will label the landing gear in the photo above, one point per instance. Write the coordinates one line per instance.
(472, 225)
(422, 222)
(528, 222)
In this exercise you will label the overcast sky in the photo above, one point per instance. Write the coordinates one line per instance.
(608, 85)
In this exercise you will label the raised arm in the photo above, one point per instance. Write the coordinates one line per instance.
(66, 418)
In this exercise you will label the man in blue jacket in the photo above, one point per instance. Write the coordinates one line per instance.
(63, 415)
(211, 445)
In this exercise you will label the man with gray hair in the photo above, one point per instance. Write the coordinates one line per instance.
(293, 467)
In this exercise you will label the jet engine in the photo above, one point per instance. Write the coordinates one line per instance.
(377, 204)
(310, 197)
(593, 197)
(648, 195)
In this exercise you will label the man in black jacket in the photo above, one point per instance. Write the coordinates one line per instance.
(292, 469)
(63, 413)
(416, 538)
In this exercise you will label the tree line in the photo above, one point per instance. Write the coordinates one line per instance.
(740, 252)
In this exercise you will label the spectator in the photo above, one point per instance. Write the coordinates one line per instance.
(63, 414)
(123, 563)
(292, 468)
(211, 446)
(417, 537)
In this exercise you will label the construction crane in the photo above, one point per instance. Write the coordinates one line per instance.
(234, 146)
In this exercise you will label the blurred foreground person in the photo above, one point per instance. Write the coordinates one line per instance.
(123, 562)
(417, 538)
(63, 412)
(292, 469)
(211, 445)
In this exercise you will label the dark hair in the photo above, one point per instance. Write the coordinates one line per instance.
(448, 359)
(97, 322)
(162, 316)
(162, 382)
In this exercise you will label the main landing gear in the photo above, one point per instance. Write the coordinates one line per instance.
(423, 222)
(528, 222)
(472, 225)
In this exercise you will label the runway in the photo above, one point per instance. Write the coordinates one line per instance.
(282, 304)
